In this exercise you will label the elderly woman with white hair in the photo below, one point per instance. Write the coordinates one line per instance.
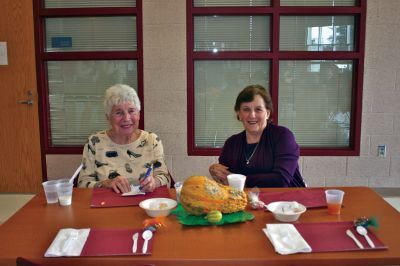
(122, 155)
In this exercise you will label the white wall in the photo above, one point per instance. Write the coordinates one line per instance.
(164, 41)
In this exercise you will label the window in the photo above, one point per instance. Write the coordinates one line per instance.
(83, 48)
(309, 54)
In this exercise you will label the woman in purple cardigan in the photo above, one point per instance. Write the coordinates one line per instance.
(265, 153)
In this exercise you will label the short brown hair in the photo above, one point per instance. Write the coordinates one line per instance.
(248, 93)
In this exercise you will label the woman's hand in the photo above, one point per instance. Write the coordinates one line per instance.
(219, 173)
(149, 183)
(119, 184)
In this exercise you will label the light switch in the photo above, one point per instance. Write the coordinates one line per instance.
(3, 53)
(381, 150)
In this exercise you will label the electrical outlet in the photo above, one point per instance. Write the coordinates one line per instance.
(381, 150)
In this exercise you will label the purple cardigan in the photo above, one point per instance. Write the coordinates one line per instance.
(274, 163)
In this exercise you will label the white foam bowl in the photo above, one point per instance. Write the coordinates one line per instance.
(286, 211)
(158, 207)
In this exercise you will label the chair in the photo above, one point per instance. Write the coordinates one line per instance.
(24, 262)
(172, 180)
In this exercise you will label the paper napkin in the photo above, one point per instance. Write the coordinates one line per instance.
(68, 242)
(286, 239)
(135, 190)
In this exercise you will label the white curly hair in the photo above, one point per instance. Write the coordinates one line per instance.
(119, 94)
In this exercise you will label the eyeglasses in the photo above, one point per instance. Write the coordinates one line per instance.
(122, 113)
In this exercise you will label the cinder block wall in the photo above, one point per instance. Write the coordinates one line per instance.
(380, 115)
(164, 41)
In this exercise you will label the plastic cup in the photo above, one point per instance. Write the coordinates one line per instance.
(178, 187)
(50, 189)
(236, 181)
(334, 199)
(63, 180)
(64, 190)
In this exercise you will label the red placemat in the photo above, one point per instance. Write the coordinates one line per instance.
(309, 197)
(105, 197)
(331, 236)
(114, 242)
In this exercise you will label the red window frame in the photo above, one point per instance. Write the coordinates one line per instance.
(275, 11)
(40, 14)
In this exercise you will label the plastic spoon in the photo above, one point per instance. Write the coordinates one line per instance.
(362, 231)
(147, 235)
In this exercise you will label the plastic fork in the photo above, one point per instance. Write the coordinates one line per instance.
(135, 240)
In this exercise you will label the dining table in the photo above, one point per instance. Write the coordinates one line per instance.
(31, 230)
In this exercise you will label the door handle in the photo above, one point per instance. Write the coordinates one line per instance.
(28, 102)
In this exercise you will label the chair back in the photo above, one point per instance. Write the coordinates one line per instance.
(172, 180)
(24, 262)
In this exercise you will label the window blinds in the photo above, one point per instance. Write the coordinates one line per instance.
(200, 3)
(76, 90)
(88, 3)
(318, 2)
(217, 84)
(314, 101)
(91, 34)
(231, 33)
(316, 33)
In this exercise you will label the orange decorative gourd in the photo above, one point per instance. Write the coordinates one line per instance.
(200, 195)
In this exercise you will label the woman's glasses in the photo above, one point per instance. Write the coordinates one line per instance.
(121, 113)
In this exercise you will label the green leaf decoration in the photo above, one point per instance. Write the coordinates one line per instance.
(186, 218)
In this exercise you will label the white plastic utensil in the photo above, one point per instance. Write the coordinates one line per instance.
(352, 236)
(363, 231)
(147, 235)
(135, 240)
(73, 236)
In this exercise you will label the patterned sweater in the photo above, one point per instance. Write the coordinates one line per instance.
(104, 159)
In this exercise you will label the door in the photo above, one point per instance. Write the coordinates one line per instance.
(20, 155)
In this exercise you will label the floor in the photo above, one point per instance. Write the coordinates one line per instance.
(395, 202)
(10, 203)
